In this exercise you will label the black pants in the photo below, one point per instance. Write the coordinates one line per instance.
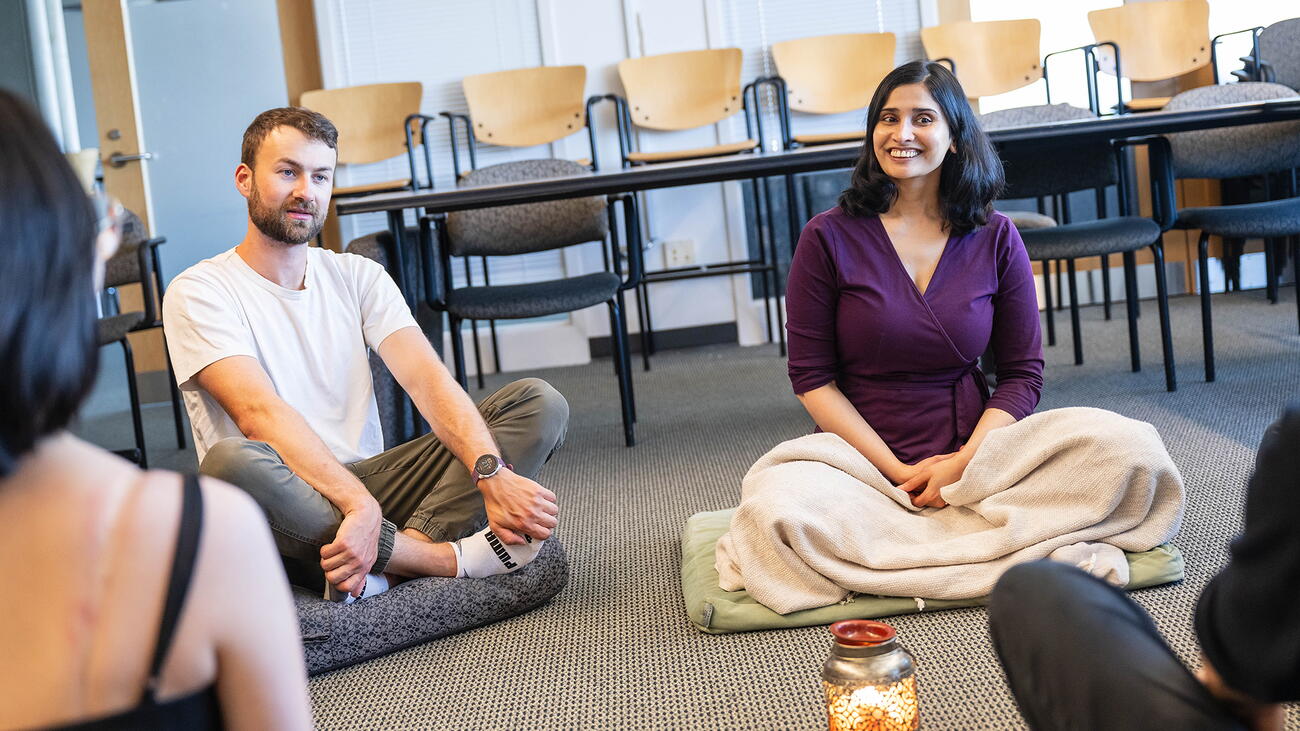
(1079, 654)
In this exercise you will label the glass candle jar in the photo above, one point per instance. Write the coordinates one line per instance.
(869, 679)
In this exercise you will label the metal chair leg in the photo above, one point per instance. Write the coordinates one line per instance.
(1131, 308)
(1076, 332)
(1105, 286)
(1295, 273)
(1060, 286)
(137, 423)
(756, 184)
(1166, 337)
(457, 350)
(178, 411)
(1207, 326)
(626, 355)
(1047, 296)
(624, 379)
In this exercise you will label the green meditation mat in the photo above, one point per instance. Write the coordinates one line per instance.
(716, 611)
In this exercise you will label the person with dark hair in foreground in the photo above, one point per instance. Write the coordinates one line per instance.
(270, 343)
(138, 599)
(895, 293)
(1080, 655)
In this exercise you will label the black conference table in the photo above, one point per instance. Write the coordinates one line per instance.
(772, 164)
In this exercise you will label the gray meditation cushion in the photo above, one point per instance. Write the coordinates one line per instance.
(338, 635)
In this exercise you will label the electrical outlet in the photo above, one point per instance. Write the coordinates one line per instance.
(679, 253)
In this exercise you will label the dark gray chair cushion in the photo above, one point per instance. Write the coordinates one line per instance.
(1234, 152)
(1279, 46)
(338, 635)
(1091, 238)
(1249, 220)
(1036, 172)
(515, 301)
(529, 227)
(115, 327)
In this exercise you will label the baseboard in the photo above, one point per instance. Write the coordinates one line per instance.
(686, 337)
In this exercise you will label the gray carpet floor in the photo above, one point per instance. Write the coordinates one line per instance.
(615, 650)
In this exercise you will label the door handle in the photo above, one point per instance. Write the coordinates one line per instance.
(118, 160)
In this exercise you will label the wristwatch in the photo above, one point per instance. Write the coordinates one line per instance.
(486, 466)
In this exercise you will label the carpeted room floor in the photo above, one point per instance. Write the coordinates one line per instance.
(614, 649)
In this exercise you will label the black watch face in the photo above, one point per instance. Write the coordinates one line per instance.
(486, 465)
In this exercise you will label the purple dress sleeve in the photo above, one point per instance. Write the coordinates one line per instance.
(1016, 339)
(812, 293)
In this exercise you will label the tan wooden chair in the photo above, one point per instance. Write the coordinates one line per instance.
(990, 57)
(515, 108)
(372, 121)
(375, 122)
(831, 75)
(681, 91)
(1156, 40)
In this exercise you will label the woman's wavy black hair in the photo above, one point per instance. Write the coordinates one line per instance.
(970, 179)
(48, 353)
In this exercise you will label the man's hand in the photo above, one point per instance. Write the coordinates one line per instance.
(1258, 716)
(350, 557)
(924, 486)
(517, 506)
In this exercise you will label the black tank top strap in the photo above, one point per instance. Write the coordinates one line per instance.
(187, 548)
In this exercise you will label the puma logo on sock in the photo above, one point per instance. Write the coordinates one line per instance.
(500, 550)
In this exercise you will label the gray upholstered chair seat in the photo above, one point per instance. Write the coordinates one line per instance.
(338, 635)
(513, 301)
(1028, 220)
(1249, 220)
(1091, 238)
(115, 327)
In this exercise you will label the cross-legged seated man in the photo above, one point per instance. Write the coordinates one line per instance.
(270, 345)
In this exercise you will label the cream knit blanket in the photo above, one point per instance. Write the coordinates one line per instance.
(817, 521)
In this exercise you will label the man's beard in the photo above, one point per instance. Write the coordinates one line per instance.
(274, 224)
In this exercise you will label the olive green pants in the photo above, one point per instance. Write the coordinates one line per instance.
(419, 484)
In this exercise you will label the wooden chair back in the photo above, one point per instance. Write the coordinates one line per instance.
(369, 118)
(992, 57)
(1157, 40)
(835, 73)
(526, 107)
(674, 91)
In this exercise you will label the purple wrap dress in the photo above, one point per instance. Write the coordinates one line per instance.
(909, 361)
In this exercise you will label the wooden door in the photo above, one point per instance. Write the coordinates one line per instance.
(119, 137)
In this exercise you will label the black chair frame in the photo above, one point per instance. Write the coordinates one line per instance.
(764, 265)
(436, 291)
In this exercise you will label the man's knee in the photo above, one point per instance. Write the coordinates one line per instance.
(244, 463)
(544, 406)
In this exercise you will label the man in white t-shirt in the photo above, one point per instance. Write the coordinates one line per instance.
(270, 344)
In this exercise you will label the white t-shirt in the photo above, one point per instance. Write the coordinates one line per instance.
(311, 342)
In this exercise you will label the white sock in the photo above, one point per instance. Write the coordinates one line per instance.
(483, 554)
(375, 584)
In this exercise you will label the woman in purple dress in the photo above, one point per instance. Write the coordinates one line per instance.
(895, 293)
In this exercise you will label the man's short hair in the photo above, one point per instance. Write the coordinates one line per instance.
(313, 125)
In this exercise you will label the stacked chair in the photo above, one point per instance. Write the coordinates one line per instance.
(375, 123)
(136, 262)
(524, 108)
(516, 108)
(830, 75)
(682, 91)
(1151, 41)
(1267, 150)
(990, 57)
(1031, 174)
